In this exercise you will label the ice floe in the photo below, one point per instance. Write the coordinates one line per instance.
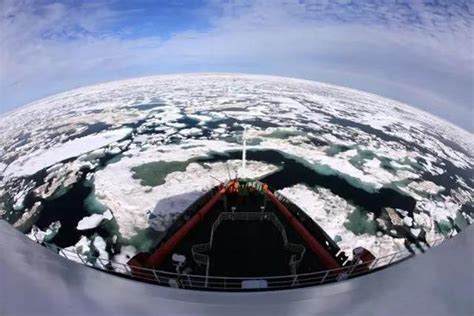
(93, 220)
(29, 217)
(126, 253)
(331, 213)
(40, 236)
(30, 164)
(100, 246)
(80, 252)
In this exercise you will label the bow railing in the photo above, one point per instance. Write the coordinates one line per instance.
(223, 283)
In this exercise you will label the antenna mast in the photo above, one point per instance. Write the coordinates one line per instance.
(244, 151)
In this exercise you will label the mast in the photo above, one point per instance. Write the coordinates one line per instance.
(244, 151)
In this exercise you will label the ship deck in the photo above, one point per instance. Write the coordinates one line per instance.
(245, 248)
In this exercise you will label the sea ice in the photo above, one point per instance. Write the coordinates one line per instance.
(331, 212)
(32, 163)
(100, 245)
(130, 201)
(40, 236)
(80, 252)
(126, 253)
(28, 218)
(93, 220)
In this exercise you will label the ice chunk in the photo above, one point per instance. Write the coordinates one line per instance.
(29, 218)
(100, 245)
(80, 252)
(40, 236)
(108, 215)
(83, 245)
(20, 199)
(415, 231)
(93, 155)
(408, 221)
(394, 217)
(93, 220)
(121, 259)
(59, 180)
(194, 131)
(126, 253)
(427, 187)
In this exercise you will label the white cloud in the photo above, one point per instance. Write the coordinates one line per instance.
(419, 54)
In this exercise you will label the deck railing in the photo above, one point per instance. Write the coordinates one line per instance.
(220, 283)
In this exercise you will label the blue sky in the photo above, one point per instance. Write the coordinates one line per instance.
(418, 52)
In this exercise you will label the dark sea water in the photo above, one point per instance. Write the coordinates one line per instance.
(69, 209)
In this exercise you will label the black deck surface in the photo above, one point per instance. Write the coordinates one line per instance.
(245, 248)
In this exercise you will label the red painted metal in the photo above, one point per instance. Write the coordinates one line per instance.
(327, 259)
(157, 258)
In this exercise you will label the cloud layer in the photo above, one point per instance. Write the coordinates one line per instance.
(420, 53)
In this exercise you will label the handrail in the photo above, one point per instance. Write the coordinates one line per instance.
(222, 283)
